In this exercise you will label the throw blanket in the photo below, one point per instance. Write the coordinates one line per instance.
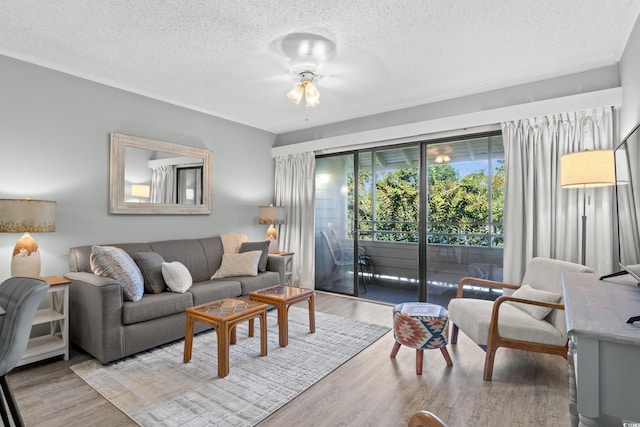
(231, 242)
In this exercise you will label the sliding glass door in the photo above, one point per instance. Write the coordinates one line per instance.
(464, 229)
(335, 198)
(406, 223)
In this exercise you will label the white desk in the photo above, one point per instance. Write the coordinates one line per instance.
(604, 350)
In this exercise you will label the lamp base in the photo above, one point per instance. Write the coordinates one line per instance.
(26, 258)
(273, 246)
(26, 266)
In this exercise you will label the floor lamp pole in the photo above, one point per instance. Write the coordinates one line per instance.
(584, 229)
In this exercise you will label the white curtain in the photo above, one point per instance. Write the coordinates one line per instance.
(163, 184)
(295, 191)
(541, 218)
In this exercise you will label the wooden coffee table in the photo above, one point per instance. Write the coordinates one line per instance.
(282, 297)
(223, 315)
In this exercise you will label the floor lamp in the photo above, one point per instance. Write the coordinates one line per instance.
(587, 169)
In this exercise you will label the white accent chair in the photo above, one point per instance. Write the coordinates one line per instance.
(538, 324)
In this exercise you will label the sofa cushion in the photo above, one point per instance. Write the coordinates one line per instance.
(530, 293)
(213, 290)
(177, 276)
(187, 251)
(244, 264)
(115, 263)
(258, 246)
(150, 264)
(154, 306)
(262, 280)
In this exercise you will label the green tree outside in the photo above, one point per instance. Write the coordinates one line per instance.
(458, 206)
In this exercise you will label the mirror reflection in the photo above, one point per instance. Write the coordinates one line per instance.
(150, 176)
(161, 177)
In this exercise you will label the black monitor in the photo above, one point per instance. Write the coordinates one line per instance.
(627, 200)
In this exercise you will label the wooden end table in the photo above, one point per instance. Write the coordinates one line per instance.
(223, 315)
(282, 297)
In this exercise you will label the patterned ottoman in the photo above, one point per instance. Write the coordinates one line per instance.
(420, 325)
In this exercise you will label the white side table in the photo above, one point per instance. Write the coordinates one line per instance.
(56, 342)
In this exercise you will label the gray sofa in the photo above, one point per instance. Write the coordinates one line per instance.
(103, 324)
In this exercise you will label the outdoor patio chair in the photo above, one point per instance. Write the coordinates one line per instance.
(536, 323)
(343, 257)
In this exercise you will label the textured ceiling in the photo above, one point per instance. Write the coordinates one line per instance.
(223, 57)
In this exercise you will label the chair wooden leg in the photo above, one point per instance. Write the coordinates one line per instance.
(394, 351)
(488, 363)
(447, 358)
(454, 334)
(419, 359)
(11, 402)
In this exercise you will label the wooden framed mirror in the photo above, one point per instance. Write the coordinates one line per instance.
(157, 177)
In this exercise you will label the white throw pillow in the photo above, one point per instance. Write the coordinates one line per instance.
(177, 276)
(242, 264)
(115, 263)
(535, 311)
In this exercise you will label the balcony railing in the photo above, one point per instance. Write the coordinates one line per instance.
(443, 233)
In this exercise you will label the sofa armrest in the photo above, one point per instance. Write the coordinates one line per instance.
(277, 263)
(95, 317)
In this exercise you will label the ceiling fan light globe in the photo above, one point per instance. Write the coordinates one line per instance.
(295, 94)
(312, 95)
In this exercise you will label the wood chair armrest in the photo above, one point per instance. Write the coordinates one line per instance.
(493, 326)
(506, 298)
(485, 282)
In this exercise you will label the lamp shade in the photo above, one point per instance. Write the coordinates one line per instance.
(442, 158)
(311, 94)
(584, 169)
(271, 215)
(26, 215)
(140, 190)
(295, 95)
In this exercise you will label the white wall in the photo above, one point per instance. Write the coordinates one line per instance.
(630, 79)
(54, 145)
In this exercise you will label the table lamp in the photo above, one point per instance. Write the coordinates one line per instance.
(26, 216)
(271, 215)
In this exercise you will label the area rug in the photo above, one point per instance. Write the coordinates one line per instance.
(155, 388)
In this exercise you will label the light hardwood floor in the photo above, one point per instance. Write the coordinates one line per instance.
(369, 390)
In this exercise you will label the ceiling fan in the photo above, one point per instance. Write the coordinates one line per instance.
(307, 53)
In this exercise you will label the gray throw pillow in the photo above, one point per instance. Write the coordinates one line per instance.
(150, 264)
(258, 246)
(113, 262)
